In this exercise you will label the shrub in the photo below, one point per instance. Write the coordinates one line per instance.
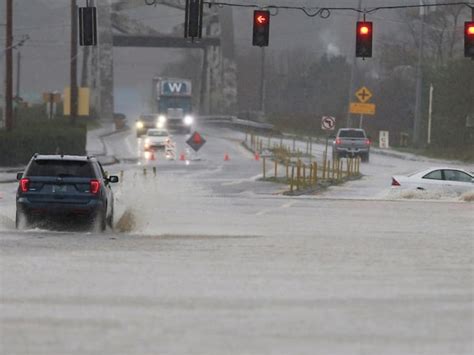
(41, 136)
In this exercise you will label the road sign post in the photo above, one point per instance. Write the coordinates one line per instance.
(328, 123)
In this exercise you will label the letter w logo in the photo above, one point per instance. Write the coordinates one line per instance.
(175, 87)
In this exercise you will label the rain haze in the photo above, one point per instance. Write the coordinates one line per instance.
(299, 179)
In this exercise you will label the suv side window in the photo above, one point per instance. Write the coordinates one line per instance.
(456, 175)
(434, 175)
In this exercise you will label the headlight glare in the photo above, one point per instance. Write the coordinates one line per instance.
(188, 120)
(161, 119)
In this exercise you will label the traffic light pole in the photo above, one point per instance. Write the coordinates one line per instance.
(353, 70)
(262, 83)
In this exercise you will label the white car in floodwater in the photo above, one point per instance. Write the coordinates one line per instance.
(439, 179)
(157, 138)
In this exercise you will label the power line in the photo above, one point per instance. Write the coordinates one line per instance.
(322, 12)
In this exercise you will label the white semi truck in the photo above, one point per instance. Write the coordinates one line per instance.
(174, 103)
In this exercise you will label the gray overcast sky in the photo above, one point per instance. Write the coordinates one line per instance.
(46, 55)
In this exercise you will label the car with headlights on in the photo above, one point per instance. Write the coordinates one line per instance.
(440, 179)
(64, 189)
(147, 121)
(156, 138)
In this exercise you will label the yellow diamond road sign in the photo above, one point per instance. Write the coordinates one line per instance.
(363, 94)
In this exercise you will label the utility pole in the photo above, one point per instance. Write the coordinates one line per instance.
(17, 94)
(73, 84)
(18, 73)
(9, 67)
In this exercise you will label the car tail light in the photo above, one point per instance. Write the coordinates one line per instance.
(395, 182)
(95, 187)
(367, 141)
(338, 141)
(24, 184)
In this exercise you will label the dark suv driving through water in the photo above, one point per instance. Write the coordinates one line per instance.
(64, 188)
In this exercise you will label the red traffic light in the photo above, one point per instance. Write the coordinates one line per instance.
(261, 17)
(364, 36)
(261, 28)
(261, 20)
(470, 30)
(469, 39)
(364, 28)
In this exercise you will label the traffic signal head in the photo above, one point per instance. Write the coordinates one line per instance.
(469, 39)
(193, 19)
(87, 26)
(261, 28)
(364, 39)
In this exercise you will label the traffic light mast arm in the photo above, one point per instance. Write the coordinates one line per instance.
(325, 12)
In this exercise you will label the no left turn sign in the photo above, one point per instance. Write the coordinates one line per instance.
(328, 123)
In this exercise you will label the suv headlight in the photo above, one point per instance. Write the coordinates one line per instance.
(161, 119)
(140, 125)
(188, 120)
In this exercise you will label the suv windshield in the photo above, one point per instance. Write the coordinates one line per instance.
(62, 168)
(351, 134)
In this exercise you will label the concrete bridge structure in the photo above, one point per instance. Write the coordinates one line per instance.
(217, 88)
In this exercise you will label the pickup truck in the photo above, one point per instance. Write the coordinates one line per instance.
(351, 142)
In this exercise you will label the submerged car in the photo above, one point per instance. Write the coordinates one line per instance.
(436, 179)
(66, 189)
(157, 138)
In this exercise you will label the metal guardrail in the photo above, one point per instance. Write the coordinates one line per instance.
(235, 121)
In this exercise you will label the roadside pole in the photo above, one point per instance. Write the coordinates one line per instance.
(430, 112)
(51, 103)
(361, 120)
(326, 149)
(419, 82)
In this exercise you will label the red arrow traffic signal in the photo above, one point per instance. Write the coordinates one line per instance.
(261, 28)
(261, 20)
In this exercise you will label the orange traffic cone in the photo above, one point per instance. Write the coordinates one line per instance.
(257, 156)
(182, 156)
(226, 157)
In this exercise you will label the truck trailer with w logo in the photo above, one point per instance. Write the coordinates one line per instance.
(174, 103)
